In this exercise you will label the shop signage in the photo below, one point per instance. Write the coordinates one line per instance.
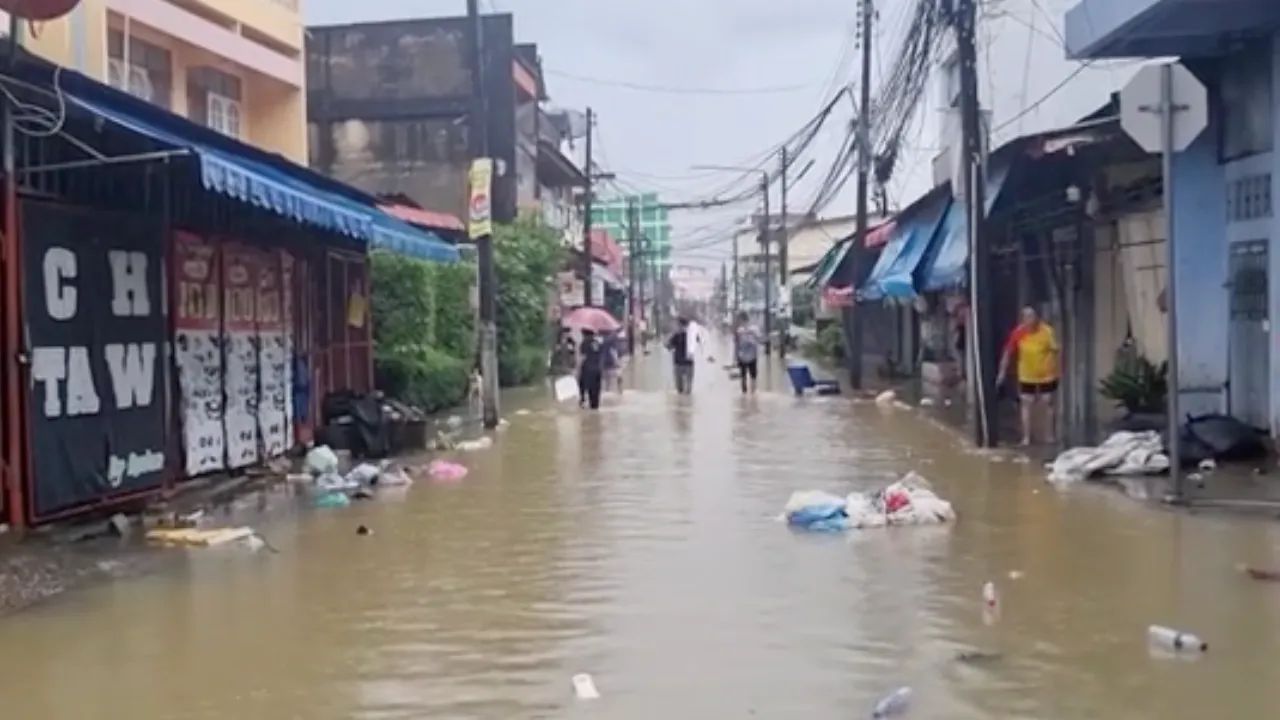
(95, 318)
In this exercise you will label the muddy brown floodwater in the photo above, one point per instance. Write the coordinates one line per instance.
(640, 545)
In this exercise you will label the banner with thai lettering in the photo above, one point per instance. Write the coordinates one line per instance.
(273, 356)
(242, 268)
(198, 352)
(96, 327)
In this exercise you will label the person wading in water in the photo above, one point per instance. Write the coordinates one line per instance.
(1035, 345)
(681, 346)
(746, 350)
(590, 370)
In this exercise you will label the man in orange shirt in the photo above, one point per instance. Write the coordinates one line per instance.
(1036, 347)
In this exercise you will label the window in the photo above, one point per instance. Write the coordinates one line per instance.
(146, 73)
(1245, 104)
(214, 99)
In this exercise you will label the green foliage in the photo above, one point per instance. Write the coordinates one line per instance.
(524, 366)
(829, 344)
(1138, 386)
(423, 328)
(527, 255)
(455, 320)
(426, 378)
(403, 299)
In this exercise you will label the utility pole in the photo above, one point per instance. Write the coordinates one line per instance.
(765, 231)
(588, 262)
(852, 316)
(633, 247)
(782, 243)
(479, 145)
(737, 280)
(981, 333)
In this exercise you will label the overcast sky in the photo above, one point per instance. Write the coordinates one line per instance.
(771, 64)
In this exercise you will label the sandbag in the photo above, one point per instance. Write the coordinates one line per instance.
(1226, 437)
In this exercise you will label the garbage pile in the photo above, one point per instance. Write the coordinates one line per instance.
(1124, 453)
(1139, 448)
(909, 501)
(330, 488)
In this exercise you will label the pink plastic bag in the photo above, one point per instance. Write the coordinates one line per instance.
(446, 471)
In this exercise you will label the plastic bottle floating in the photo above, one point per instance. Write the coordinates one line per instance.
(1176, 640)
(989, 596)
(584, 688)
(894, 704)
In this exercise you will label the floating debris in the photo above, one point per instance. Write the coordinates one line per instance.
(584, 688)
(191, 537)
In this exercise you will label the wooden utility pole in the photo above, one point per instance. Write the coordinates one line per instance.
(850, 313)
(982, 344)
(588, 202)
(479, 146)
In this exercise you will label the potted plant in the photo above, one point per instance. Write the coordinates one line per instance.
(1138, 386)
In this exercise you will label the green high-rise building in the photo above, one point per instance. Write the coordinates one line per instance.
(610, 213)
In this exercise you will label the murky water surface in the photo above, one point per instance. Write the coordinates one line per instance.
(639, 544)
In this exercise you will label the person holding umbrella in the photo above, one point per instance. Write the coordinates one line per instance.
(591, 369)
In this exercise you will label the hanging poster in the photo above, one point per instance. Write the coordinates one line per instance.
(95, 319)
(272, 358)
(241, 268)
(198, 352)
(287, 275)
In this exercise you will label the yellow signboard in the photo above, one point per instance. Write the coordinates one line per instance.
(480, 220)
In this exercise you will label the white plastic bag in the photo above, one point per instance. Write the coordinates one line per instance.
(321, 460)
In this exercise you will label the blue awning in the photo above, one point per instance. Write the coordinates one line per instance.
(951, 259)
(893, 273)
(257, 178)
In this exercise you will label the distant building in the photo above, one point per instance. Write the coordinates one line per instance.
(610, 213)
(231, 65)
(388, 104)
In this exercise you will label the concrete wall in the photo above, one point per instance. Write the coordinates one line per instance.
(388, 104)
(1206, 225)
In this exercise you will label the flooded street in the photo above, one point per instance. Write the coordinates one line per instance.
(640, 545)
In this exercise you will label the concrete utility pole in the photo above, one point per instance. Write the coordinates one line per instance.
(766, 230)
(479, 146)
(982, 341)
(588, 262)
(782, 242)
(850, 314)
(737, 280)
(633, 267)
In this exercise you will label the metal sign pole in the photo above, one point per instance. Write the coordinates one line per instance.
(1167, 110)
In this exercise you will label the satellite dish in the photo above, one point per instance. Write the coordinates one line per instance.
(38, 10)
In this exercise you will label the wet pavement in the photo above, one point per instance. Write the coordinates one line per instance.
(640, 544)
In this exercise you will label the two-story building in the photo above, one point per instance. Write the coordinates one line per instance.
(232, 65)
(1223, 214)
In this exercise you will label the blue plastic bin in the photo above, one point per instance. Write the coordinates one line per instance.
(802, 379)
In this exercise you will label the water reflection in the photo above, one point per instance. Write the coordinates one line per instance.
(640, 544)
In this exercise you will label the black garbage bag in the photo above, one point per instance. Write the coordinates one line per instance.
(1191, 452)
(1226, 437)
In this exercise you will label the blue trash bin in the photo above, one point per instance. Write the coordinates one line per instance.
(801, 378)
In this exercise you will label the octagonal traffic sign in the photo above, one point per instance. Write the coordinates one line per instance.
(1143, 105)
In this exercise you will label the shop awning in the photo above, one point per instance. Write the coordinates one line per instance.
(258, 178)
(948, 267)
(826, 267)
(893, 274)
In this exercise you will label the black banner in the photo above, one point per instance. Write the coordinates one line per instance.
(96, 324)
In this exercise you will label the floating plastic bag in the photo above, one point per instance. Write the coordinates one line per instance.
(909, 501)
(394, 478)
(321, 460)
(332, 482)
(566, 388)
(481, 443)
(446, 471)
(332, 500)
(363, 474)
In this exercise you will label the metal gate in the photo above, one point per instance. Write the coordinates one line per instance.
(1249, 346)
